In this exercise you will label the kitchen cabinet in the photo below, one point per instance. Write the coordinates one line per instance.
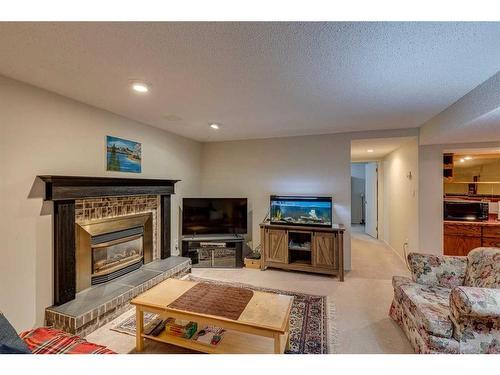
(462, 237)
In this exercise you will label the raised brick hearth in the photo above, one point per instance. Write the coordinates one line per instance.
(100, 304)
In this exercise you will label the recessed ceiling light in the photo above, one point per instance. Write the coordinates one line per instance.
(468, 157)
(369, 150)
(462, 160)
(140, 87)
(215, 126)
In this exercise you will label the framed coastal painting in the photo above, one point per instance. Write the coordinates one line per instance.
(123, 155)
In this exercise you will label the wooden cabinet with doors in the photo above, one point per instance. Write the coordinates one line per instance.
(277, 246)
(323, 254)
(491, 236)
(462, 237)
(309, 249)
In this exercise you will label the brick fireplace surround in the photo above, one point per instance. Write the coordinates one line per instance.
(89, 209)
(84, 200)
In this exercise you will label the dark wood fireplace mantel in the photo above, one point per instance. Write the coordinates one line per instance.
(64, 190)
(79, 187)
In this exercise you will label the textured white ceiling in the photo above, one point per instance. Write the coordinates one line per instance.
(485, 128)
(380, 146)
(488, 151)
(257, 79)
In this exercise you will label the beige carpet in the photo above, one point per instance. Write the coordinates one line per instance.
(362, 301)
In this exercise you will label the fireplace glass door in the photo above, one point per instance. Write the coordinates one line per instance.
(116, 257)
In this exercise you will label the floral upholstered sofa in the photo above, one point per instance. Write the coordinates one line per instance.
(451, 304)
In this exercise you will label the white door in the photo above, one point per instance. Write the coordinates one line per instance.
(371, 187)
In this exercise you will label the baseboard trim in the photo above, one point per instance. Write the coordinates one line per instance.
(393, 249)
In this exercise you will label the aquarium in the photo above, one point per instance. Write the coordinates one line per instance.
(298, 210)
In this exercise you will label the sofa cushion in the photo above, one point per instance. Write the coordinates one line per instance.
(442, 271)
(483, 269)
(6, 349)
(53, 341)
(429, 306)
(9, 338)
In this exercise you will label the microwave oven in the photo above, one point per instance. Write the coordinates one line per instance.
(465, 210)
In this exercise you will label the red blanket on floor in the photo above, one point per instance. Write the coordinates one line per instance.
(54, 341)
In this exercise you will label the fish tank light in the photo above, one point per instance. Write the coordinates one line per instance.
(301, 210)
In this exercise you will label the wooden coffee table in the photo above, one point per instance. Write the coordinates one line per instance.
(263, 326)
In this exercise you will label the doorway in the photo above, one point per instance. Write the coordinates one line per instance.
(390, 167)
(364, 198)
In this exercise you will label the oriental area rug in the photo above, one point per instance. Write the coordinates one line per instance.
(312, 320)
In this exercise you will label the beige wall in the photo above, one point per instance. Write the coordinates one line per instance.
(399, 218)
(43, 133)
(314, 165)
(290, 165)
(488, 170)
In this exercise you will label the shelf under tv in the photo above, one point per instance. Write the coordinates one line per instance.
(301, 262)
(298, 249)
(214, 251)
(213, 237)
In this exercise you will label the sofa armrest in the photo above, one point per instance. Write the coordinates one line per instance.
(443, 271)
(475, 314)
(398, 281)
(9, 340)
(469, 303)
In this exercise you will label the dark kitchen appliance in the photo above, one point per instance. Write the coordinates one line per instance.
(465, 210)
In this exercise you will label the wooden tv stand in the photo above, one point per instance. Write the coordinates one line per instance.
(303, 248)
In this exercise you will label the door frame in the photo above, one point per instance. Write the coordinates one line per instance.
(376, 199)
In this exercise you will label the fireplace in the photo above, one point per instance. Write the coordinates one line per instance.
(111, 247)
(114, 254)
(74, 223)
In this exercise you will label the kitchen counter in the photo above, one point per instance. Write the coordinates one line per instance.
(492, 220)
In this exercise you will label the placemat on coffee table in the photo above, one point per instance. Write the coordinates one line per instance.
(212, 299)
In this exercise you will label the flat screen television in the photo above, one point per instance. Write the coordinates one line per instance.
(301, 210)
(214, 216)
